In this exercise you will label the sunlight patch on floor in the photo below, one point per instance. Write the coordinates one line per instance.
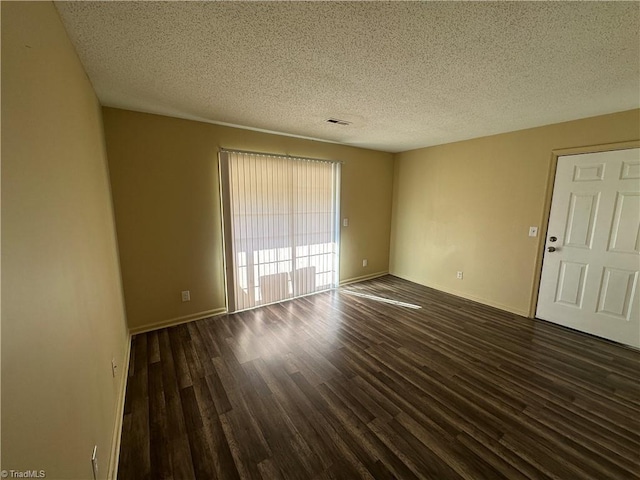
(381, 299)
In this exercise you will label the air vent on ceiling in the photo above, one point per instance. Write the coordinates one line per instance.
(337, 121)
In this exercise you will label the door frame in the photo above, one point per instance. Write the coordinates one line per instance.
(546, 212)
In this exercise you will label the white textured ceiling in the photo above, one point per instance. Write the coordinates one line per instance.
(406, 74)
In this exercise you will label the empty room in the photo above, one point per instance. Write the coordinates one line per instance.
(320, 240)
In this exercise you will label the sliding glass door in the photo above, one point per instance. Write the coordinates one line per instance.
(281, 226)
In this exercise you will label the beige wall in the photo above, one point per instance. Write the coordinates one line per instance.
(468, 206)
(62, 309)
(164, 174)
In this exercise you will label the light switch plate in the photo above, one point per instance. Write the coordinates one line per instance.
(533, 231)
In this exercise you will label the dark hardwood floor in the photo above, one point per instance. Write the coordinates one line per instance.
(335, 385)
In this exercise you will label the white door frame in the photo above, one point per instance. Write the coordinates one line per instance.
(542, 237)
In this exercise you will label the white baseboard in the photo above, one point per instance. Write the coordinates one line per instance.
(484, 301)
(363, 278)
(117, 430)
(467, 296)
(176, 321)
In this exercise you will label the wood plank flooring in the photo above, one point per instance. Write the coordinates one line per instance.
(338, 386)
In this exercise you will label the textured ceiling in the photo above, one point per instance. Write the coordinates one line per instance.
(406, 74)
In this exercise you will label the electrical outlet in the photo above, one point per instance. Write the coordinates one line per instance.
(459, 275)
(114, 367)
(186, 296)
(94, 462)
(345, 222)
(365, 262)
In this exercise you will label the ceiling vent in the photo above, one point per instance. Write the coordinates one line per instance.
(337, 121)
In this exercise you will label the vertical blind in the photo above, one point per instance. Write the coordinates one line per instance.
(281, 226)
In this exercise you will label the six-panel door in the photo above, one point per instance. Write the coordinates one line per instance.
(592, 250)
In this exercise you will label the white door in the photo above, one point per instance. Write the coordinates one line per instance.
(592, 250)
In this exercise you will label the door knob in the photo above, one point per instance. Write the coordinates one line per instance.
(551, 249)
(553, 239)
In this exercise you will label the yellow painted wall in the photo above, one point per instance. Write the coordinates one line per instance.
(468, 206)
(62, 308)
(164, 174)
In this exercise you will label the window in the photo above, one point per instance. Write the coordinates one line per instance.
(281, 226)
